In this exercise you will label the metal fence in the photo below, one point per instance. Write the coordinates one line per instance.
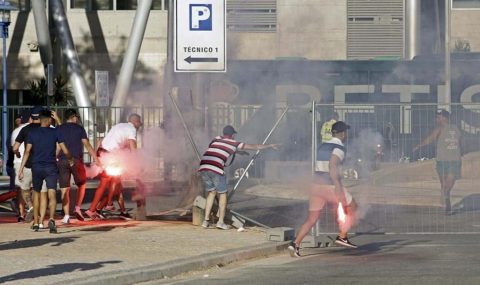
(398, 189)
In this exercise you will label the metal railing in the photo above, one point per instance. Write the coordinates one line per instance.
(398, 189)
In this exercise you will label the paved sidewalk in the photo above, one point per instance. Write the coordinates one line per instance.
(120, 252)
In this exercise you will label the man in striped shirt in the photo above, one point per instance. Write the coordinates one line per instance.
(212, 170)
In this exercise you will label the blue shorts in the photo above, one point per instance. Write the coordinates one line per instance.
(49, 173)
(214, 182)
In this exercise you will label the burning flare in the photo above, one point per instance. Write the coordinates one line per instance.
(113, 170)
(342, 217)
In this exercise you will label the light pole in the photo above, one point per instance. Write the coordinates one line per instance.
(5, 9)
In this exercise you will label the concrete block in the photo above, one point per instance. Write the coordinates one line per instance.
(200, 202)
(198, 215)
(280, 234)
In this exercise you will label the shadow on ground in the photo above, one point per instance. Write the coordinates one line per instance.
(35, 242)
(56, 269)
(468, 204)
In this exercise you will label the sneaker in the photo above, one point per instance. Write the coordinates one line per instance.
(29, 215)
(344, 242)
(52, 227)
(78, 215)
(109, 208)
(20, 219)
(92, 215)
(41, 226)
(206, 224)
(66, 220)
(35, 228)
(222, 226)
(100, 216)
(294, 249)
(125, 215)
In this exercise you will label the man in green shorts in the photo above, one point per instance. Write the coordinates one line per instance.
(449, 157)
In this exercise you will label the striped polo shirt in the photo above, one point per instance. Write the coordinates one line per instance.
(324, 152)
(219, 150)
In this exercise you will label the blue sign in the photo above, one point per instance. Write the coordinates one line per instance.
(200, 17)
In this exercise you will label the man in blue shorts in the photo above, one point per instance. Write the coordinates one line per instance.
(42, 143)
(213, 174)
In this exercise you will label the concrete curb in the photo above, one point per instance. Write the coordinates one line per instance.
(179, 266)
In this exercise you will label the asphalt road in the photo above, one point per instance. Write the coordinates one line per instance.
(380, 259)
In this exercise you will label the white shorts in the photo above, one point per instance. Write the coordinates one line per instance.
(26, 183)
(320, 194)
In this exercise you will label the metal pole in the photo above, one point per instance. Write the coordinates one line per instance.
(189, 135)
(131, 55)
(76, 78)
(4, 109)
(256, 154)
(448, 98)
(43, 33)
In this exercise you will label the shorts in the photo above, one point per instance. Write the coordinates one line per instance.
(445, 168)
(101, 151)
(47, 173)
(320, 194)
(26, 183)
(214, 182)
(65, 171)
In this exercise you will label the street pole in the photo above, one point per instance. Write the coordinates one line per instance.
(4, 109)
(5, 9)
(448, 98)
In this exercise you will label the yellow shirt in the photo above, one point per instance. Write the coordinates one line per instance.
(326, 131)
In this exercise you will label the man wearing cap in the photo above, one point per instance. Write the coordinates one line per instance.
(26, 182)
(327, 187)
(448, 155)
(41, 144)
(75, 139)
(212, 171)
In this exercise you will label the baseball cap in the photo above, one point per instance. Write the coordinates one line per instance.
(36, 112)
(339, 127)
(25, 116)
(443, 113)
(229, 130)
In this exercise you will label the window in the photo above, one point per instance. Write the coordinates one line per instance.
(94, 5)
(126, 4)
(466, 4)
(21, 5)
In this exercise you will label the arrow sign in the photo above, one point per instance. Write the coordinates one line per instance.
(201, 59)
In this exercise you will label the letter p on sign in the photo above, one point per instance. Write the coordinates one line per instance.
(200, 17)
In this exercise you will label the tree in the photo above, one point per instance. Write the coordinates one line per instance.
(62, 96)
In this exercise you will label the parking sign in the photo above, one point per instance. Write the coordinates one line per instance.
(200, 42)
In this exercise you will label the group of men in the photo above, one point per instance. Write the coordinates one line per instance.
(326, 186)
(48, 154)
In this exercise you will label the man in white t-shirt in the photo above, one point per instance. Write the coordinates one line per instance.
(23, 193)
(120, 136)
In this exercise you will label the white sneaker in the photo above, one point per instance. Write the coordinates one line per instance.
(29, 215)
(66, 220)
(41, 226)
(223, 226)
(206, 224)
